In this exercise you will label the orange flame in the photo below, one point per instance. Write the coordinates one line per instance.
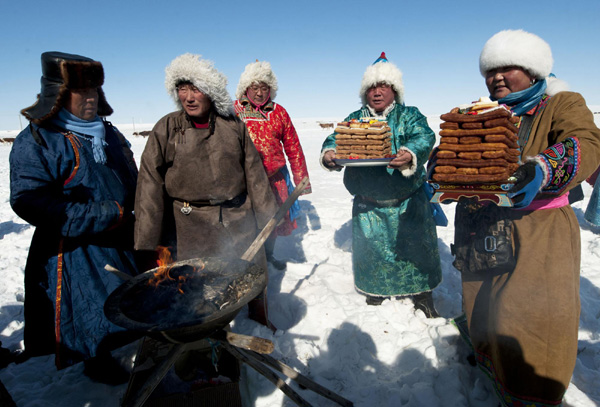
(164, 267)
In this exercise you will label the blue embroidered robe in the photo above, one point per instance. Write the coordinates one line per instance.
(82, 214)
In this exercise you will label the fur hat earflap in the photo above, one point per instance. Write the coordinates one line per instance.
(203, 75)
(256, 72)
(518, 48)
(555, 85)
(382, 71)
(62, 73)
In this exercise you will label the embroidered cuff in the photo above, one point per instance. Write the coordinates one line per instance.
(560, 164)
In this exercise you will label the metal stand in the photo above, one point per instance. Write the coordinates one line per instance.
(247, 349)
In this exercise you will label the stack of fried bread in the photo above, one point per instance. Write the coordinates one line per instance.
(363, 138)
(478, 144)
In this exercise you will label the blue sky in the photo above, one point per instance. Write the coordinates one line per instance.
(318, 49)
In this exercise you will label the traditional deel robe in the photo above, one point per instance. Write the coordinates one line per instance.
(523, 324)
(273, 133)
(82, 214)
(394, 238)
(217, 174)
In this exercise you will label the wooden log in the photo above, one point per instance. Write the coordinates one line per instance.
(267, 373)
(158, 372)
(252, 343)
(302, 380)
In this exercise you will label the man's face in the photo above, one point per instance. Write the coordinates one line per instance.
(259, 93)
(83, 103)
(380, 96)
(195, 103)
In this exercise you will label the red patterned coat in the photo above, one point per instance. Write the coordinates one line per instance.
(273, 134)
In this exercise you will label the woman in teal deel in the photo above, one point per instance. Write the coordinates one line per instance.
(394, 238)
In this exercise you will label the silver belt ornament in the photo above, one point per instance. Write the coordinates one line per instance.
(186, 209)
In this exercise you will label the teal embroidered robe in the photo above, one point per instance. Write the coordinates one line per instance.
(394, 247)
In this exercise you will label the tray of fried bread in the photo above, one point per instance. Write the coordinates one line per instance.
(477, 154)
(365, 141)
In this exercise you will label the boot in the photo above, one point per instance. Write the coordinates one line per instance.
(269, 248)
(7, 356)
(105, 369)
(424, 302)
(258, 311)
(371, 300)
(278, 264)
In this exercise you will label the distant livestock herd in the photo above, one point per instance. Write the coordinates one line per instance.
(145, 133)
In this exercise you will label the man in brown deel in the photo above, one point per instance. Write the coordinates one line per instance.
(202, 189)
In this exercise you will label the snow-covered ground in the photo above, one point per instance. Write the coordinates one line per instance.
(382, 356)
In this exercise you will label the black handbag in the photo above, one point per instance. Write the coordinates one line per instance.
(483, 239)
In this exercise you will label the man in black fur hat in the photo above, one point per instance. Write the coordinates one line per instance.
(73, 177)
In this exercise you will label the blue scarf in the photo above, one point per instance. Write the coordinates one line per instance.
(523, 101)
(93, 128)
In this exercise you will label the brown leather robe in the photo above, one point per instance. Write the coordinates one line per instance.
(180, 164)
(524, 323)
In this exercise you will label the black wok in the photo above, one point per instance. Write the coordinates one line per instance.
(211, 294)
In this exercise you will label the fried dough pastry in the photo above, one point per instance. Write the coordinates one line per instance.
(445, 169)
(470, 179)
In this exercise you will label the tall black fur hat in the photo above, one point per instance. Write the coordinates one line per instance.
(61, 73)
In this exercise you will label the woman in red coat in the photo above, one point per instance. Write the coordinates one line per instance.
(273, 133)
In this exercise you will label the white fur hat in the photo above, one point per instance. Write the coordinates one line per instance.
(519, 48)
(256, 72)
(203, 75)
(382, 71)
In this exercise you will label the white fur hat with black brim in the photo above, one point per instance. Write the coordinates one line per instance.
(382, 71)
(203, 75)
(254, 73)
(523, 49)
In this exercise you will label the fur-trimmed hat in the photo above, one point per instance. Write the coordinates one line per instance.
(61, 73)
(203, 75)
(518, 48)
(382, 71)
(256, 72)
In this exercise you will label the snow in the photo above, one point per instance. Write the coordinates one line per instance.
(388, 355)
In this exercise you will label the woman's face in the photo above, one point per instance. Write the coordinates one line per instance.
(505, 80)
(259, 92)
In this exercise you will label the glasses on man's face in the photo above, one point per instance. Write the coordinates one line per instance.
(188, 88)
(256, 88)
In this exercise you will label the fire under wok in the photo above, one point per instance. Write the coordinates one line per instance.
(200, 297)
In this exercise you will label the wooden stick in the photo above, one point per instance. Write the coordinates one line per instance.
(300, 379)
(118, 272)
(266, 372)
(158, 372)
(264, 234)
(253, 343)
